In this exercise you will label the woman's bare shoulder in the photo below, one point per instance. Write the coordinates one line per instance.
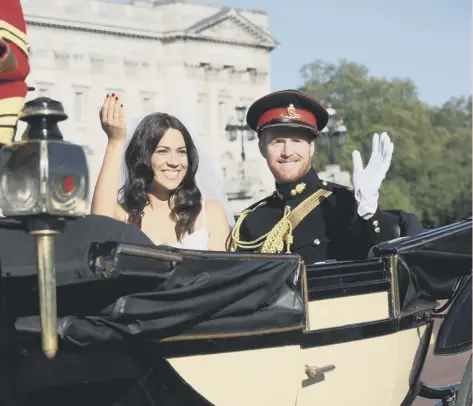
(120, 213)
(215, 212)
(212, 205)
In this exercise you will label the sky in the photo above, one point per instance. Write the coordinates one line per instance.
(427, 41)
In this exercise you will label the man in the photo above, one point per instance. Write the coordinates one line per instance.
(314, 218)
(14, 67)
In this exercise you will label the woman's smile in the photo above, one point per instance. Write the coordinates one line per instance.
(171, 174)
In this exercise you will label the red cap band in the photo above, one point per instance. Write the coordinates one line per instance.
(290, 113)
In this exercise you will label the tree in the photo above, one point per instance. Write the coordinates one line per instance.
(430, 174)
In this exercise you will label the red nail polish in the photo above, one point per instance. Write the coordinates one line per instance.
(121, 105)
(113, 94)
(107, 95)
(116, 98)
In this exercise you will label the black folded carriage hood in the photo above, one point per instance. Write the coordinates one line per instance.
(437, 265)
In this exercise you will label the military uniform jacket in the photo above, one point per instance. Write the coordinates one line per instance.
(333, 229)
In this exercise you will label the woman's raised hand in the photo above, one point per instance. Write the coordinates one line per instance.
(112, 118)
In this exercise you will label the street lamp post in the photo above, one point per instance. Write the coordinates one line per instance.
(333, 135)
(246, 133)
(233, 129)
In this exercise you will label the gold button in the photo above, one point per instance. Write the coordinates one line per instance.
(317, 241)
(324, 183)
(377, 230)
(375, 223)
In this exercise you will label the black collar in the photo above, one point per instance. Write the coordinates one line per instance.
(305, 186)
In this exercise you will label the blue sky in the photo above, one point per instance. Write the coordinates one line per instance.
(425, 40)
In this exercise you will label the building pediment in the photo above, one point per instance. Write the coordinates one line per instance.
(158, 21)
(231, 27)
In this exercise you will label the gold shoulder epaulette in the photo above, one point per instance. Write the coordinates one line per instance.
(235, 241)
(259, 203)
(281, 235)
(332, 185)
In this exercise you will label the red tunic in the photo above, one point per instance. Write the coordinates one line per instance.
(14, 67)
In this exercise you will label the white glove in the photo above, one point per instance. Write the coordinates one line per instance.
(367, 182)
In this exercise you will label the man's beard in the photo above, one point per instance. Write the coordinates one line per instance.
(284, 177)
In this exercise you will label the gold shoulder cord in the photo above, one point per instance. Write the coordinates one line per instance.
(281, 234)
(235, 242)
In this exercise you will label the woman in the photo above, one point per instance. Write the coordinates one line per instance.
(160, 193)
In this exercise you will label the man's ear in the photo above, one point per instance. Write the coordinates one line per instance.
(262, 145)
(312, 148)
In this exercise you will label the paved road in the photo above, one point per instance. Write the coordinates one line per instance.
(441, 371)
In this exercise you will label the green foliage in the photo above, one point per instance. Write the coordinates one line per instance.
(430, 174)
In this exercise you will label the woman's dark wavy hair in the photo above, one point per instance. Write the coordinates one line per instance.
(185, 199)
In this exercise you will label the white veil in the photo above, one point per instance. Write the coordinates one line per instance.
(207, 179)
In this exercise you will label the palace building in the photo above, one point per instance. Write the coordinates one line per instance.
(183, 57)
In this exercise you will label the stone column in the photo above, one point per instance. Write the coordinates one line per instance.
(213, 116)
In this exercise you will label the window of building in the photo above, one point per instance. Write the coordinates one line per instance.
(147, 103)
(222, 116)
(79, 105)
(43, 89)
(202, 115)
(200, 120)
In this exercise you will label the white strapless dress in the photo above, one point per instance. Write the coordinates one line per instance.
(198, 240)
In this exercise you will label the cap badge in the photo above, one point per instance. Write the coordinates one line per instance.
(298, 189)
(291, 112)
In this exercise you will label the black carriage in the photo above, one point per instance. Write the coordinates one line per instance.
(141, 325)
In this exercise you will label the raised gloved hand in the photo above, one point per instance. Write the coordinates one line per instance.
(367, 181)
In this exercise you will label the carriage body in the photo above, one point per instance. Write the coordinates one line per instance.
(353, 349)
(209, 328)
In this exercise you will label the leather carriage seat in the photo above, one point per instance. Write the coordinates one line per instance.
(403, 225)
(18, 248)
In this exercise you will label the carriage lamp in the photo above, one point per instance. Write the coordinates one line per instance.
(333, 135)
(43, 177)
(43, 182)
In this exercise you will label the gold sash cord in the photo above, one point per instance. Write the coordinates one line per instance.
(11, 33)
(280, 235)
(9, 108)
